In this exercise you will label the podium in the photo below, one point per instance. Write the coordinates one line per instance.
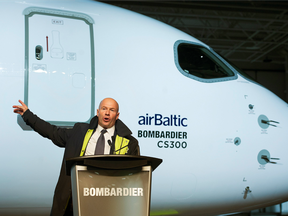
(111, 185)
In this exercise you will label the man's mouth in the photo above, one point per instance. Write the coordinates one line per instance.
(106, 119)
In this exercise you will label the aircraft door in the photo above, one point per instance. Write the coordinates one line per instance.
(59, 65)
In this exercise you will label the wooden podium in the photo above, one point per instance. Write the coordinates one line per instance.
(111, 185)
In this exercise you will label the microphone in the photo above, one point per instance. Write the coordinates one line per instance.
(109, 142)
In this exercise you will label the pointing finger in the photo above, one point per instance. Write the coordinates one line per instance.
(22, 103)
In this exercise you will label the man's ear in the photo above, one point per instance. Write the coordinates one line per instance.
(98, 112)
(117, 116)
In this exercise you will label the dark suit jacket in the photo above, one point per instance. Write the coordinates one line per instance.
(72, 140)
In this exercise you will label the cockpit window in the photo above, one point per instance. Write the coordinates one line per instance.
(200, 63)
(244, 74)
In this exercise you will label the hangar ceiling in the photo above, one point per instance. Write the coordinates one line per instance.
(251, 34)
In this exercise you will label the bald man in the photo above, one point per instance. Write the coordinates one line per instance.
(82, 140)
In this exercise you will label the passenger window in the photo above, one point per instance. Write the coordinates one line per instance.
(197, 61)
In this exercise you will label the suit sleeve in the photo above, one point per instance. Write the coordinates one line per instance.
(59, 136)
(135, 150)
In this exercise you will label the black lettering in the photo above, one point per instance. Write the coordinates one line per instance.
(145, 134)
(151, 134)
(173, 144)
(184, 135)
(166, 144)
(167, 134)
(139, 133)
(180, 135)
(158, 144)
(157, 134)
(177, 144)
(162, 134)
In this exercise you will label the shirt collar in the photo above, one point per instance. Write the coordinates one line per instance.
(110, 130)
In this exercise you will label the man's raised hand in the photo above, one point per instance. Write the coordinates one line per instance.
(20, 109)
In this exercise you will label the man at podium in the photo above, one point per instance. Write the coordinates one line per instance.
(105, 134)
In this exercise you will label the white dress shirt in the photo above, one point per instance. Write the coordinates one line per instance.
(93, 140)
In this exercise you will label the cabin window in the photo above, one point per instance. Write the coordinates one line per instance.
(202, 64)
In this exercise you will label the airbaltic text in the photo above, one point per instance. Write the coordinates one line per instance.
(112, 191)
(158, 119)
